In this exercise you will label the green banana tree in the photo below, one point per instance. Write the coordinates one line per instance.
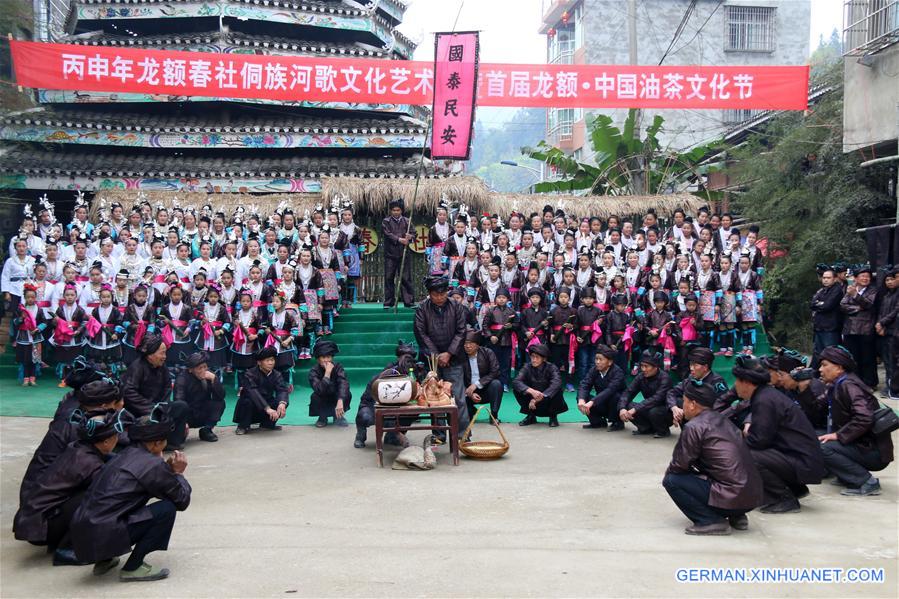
(625, 164)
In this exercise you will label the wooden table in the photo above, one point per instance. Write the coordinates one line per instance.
(450, 415)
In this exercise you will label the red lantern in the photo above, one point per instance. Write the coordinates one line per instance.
(551, 32)
(565, 18)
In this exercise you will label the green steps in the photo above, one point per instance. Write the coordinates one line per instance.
(386, 316)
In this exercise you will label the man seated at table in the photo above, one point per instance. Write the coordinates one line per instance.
(650, 416)
(263, 398)
(711, 477)
(781, 440)
(538, 388)
(365, 415)
(852, 450)
(202, 391)
(147, 382)
(606, 380)
(480, 374)
(330, 386)
(700, 359)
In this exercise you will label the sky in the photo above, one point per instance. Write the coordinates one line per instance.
(509, 30)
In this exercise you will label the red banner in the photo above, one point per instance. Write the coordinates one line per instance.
(323, 79)
(455, 94)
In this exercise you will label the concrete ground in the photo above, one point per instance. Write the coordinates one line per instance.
(567, 512)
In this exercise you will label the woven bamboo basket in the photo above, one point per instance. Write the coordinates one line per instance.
(484, 450)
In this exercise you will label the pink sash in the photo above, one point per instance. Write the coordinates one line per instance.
(209, 334)
(628, 338)
(572, 350)
(597, 332)
(239, 338)
(668, 346)
(28, 321)
(140, 332)
(270, 339)
(535, 340)
(688, 331)
(168, 337)
(64, 332)
(93, 327)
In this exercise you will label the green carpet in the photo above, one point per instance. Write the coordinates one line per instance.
(367, 336)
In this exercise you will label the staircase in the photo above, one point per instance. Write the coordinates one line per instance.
(366, 335)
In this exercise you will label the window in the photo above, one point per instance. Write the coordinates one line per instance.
(561, 124)
(750, 28)
(562, 46)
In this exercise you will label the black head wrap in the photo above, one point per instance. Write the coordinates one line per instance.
(840, 356)
(153, 427)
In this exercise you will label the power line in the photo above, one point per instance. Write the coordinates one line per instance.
(701, 27)
(680, 29)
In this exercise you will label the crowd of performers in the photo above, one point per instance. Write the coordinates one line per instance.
(573, 284)
(227, 285)
(543, 303)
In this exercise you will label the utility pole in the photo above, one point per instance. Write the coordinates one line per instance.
(638, 186)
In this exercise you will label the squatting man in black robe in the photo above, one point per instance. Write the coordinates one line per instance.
(202, 391)
(650, 416)
(711, 478)
(606, 380)
(850, 446)
(538, 388)
(115, 515)
(365, 415)
(45, 515)
(480, 376)
(781, 439)
(330, 386)
(147, 382)
(264, 396)
(62, 431)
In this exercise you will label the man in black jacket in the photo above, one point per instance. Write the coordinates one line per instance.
(61, 431)
(114, 514)
(365, 415)
(440, 331)
(606, 380)
(147, 382)
(887, 329)
(652, 414)
(827, 320)
(538, 388)
(330, 387)
(789, 375)
(781, 439)
(852, 450)
(202, 391)
(480, 376)
(859, 308)
(264, 396)
(397, 237)
(711, 477)
(44, 518)
(700, 360)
